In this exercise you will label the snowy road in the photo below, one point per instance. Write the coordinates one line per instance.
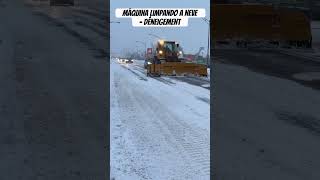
(53, 112)
(159, 129)
(85, 21)
(265, 117)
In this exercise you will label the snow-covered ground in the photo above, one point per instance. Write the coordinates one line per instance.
(159, 129)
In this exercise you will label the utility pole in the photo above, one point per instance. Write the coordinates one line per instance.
(154, 36)
(208, 46)
(145, 47)
(208, 49)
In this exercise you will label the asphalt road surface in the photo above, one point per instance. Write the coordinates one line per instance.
(273, 63)
(266, 116)
(53, 95)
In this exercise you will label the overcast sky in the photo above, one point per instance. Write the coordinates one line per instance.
(191, 38)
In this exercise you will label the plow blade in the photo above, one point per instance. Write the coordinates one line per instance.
(176, 69)
(260, 23)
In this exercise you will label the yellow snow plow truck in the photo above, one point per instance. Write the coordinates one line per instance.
(243, 24)
(166, 61)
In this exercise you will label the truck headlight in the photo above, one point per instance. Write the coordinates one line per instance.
(160, 52)
(149, 63)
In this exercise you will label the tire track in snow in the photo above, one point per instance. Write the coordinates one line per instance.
(192, 142)
(135, 73)
(166, 81)
(138, 71)
(128, 162)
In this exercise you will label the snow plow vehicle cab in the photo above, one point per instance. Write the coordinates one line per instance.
(61, 2)
(166, 61)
